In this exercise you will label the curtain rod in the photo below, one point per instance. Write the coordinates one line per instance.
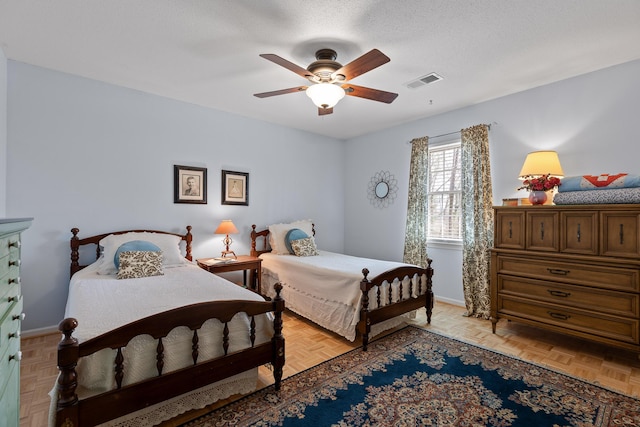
(452, 133)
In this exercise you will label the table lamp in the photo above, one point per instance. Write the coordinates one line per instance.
(537, 164)
(227, 227)
(540, 163)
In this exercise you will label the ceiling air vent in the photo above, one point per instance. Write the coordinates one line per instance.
(424, 80)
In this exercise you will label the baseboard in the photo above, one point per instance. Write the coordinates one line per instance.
(39, 331)
(449, 301)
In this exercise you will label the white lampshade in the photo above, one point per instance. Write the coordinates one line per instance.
(325, 95)
(540, 163)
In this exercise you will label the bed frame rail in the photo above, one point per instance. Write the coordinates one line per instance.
(419, 285)
(112, 404)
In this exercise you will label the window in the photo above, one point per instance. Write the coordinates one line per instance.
(445, 193)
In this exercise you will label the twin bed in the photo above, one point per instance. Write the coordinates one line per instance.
(348, 295)
(139, 351)
(155, 336)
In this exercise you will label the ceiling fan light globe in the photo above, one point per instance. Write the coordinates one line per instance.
(325, 95)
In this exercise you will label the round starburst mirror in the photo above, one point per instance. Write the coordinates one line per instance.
(382, 189)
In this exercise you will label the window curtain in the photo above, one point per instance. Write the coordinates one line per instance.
(415, 241)
(477, 220)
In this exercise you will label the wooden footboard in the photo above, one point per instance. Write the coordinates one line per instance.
(71, 411)
(388, 307)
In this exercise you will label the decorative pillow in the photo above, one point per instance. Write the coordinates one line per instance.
(169, 244)
(277, 233)
(137, 264)
(134, 245)
(304, 247)
(293, 234)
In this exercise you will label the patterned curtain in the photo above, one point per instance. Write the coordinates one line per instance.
(415, 241)
(477, 220)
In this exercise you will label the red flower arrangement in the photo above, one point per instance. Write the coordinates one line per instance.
(539, 183)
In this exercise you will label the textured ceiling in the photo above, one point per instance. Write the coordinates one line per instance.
(206, 51)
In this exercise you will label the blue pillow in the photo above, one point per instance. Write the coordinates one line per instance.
(293, 234)
(134, 245)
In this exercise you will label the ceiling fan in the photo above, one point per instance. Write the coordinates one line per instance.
(329, 78)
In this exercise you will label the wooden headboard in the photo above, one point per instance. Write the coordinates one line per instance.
(76, 243)
(264, 234)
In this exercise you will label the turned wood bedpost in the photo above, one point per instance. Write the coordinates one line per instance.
(68, 355)
(253, 241)
(75, 251)
(429, 294)
(365, 323)
(188, 238)
(278, 338)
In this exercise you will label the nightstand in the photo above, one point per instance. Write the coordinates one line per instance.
(242, 262)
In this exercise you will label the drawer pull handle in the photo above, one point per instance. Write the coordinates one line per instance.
(14, 334)
(558, 271)
(15, 280)
(558, 293)
(510, 229)
(18, 316)
(621, 234)
(542, 231)
(14, 263)
(16, 357)
(578, 235)
(558, 315)
(15, 244)
(12, 299)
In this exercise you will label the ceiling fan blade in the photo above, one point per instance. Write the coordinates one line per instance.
(324, 111)
(361, 65)
(368, 93)
(280, 92)
(302, 72)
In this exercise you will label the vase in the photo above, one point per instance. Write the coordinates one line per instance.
(537, 197)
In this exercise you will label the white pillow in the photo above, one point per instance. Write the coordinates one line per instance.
(278, 232)
(168, 244)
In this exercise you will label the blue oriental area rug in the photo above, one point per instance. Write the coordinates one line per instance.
(414, 377)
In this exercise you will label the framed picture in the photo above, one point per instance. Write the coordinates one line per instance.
(235, 188)
(189, 184)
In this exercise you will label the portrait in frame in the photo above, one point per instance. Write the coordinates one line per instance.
(189, 184)
(235, 188)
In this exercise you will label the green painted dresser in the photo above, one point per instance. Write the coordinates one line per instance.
(10, 319)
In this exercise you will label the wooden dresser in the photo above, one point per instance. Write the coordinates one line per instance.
(10, 318)
(571, 269)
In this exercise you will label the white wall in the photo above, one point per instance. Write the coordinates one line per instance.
(3, 134)
(590, 120)
(100, 157)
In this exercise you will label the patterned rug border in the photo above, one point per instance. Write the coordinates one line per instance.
(422, 331)
(540, 365)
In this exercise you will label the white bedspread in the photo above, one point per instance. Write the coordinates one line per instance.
(326, 288)
(101, 303)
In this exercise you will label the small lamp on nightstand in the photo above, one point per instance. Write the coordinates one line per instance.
(227, 227)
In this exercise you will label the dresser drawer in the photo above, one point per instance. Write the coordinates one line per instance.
(542, 231)
(579, 232)
(620, 234)
(509, 229)
(9, 243)
(618, 278)
(592, 323)
(9, 294)
(10, 341)
(593, 299)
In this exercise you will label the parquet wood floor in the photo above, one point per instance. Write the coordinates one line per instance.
(308, 345)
